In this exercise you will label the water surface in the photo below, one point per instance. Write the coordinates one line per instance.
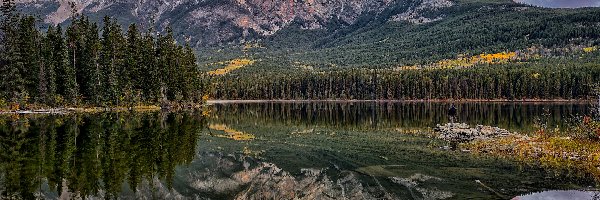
(271, 151)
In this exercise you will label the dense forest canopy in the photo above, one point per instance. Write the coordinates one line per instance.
(510, 82)
(88, 64)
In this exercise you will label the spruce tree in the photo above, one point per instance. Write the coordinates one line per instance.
(111, 59)
(130, 77)
(12, 84)
(67, 79)
(89, 73)
(150, 77)
(29, 55)
(47, 71)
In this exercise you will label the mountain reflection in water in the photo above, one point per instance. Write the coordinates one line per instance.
(266, 151)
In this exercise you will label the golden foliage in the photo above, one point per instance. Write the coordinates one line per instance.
(231, 133)
(465, 62)
(231, 66)
(590, 49)
(561, 153)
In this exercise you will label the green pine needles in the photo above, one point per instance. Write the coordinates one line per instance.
(93, 66)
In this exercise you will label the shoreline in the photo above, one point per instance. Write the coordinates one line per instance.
(66, 110)
(577, 101)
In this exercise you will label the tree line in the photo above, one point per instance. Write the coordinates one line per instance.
(92, 65)
(509, 81)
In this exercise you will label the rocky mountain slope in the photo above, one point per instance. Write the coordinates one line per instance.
(209, 22)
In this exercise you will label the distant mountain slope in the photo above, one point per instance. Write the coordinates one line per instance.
(468, 27)
(209, 22)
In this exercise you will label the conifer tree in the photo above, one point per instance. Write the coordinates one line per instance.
(150, 80)
(93, 47)
(88, 69)
(82, 67)
(68, 71)
(29, 54)
(131, 74)
(111, 60)
(47, 71)
(12, 84)
(165, 52)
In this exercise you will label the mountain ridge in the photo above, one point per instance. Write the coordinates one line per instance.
(210, 22)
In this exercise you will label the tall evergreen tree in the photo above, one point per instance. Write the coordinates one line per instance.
(150, 80)
(130, 77)
(28, 49)
(111, 60)
(47, 71)
(168, 64)
(68, 71)
(88, 69)
(12, 84)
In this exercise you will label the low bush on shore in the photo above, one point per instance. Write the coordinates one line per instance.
(574, 151)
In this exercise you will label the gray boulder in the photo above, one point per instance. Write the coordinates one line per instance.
(461, 132)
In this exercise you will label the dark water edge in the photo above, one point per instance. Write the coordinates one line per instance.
(514, 116)
(268, 151)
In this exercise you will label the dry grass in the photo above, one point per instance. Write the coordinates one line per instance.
(564, 154)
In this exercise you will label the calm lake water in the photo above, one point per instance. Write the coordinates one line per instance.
(273, 151)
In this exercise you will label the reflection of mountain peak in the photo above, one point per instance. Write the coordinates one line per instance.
(243, 177)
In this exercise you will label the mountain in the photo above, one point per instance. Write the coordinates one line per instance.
(210, 22)
(206, 22)
(343, 32)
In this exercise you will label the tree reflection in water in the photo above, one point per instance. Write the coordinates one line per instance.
(88, 155)
(267, 150)
(369, 115)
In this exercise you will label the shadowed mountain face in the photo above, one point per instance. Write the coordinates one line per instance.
(207, 22)
(562, 3)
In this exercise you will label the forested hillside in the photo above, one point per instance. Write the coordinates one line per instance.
(470, 27)
(479, 50)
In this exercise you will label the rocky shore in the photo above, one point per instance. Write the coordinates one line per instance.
(460, 132)
(560, 154)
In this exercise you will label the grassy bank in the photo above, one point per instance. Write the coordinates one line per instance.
(565, 156)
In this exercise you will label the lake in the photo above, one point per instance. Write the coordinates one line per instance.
(318, 150)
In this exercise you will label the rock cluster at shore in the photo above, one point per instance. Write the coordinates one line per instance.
(460, 132)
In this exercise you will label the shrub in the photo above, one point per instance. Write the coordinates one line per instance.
(3, 104)
(585, 128)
